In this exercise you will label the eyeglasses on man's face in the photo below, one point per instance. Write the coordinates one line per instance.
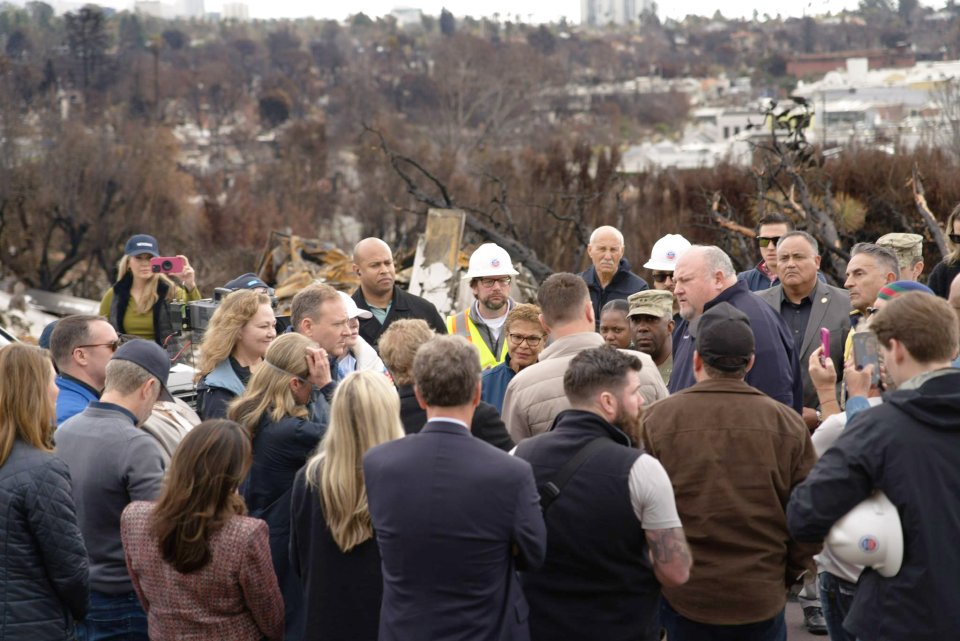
(532, 341)
(490, 282)
(765, 241)
(661, 277)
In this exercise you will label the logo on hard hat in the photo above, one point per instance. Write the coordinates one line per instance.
(671, 255)
(869, 543)
(495, 262)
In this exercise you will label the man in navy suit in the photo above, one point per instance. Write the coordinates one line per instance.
(455, 517)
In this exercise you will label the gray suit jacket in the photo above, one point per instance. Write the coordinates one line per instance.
(831, 309)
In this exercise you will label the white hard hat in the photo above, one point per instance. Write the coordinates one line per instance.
(870, 534)
(490, 259)
(666, 251)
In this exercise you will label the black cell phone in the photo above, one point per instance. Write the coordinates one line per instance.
(866, 351)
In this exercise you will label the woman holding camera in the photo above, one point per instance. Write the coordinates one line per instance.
(239, 333)
(138, 303)
(200, 567)
(45, 568)
(273, 409)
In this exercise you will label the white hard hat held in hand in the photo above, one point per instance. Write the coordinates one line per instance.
(870, 535)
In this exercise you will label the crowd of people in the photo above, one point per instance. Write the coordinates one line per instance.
(614, 462)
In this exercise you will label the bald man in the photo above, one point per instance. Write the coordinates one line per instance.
(378, 292)
(609, 278)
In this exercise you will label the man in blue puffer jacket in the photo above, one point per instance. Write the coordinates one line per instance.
(81, 346)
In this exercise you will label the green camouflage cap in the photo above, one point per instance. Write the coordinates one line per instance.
(908, 247)
(651, 302)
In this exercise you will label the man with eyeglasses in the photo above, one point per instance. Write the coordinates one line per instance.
(609, 277)
(81, 346)
(525, 340)
(491, 274)
(770, 229)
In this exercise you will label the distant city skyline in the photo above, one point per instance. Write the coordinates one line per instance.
(534, 11)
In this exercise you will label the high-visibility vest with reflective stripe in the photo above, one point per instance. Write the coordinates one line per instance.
(461, 325)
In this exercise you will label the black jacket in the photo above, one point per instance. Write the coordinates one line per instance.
(162, 325)
(486, 424)
(622, 285)
(280, 449)
(46, 581)
(942, 276)
(908, 448)
(405, 305)
(341, 590)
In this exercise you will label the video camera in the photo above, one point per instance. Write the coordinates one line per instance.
(195, 316)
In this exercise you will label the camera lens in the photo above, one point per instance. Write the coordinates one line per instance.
(167, 265)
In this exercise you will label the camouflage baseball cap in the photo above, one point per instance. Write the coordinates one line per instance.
(651, 302)
(907, 247)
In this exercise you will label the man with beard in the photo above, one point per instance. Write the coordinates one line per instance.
(491, 273)
(651, 322)
(732, 475)
(613, 536)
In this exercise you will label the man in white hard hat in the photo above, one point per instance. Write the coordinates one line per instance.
(663, 260)
(491, 273)
(909, 449)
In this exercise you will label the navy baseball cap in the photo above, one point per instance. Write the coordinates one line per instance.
(724, 338)
(247, 281)
(141, 244)
(150, 357)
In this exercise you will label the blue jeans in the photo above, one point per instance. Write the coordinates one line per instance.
(680, 628)
(836, 597)
(113, 617)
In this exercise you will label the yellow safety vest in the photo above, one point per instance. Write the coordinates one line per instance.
(461, 325)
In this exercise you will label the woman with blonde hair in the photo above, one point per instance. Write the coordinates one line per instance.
(239, 333)
(273, 410)
(46, 575)
(138, 303)
(947, 269)
(200, 567)
(332, 547)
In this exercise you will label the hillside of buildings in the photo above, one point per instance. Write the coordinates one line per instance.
(209, 132)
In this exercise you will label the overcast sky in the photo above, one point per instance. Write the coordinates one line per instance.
(530, 10)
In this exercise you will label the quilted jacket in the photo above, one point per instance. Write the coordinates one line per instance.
(43, 562)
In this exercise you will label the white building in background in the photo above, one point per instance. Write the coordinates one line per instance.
(152, 8)
(235, 11)
(407, 18)
(597, 13)
(191, 9)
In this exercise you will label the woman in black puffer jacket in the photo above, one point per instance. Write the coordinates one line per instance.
(44, 563)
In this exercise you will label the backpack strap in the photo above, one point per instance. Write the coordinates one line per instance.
(550, 491)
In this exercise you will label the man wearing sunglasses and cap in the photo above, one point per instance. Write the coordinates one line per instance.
(112, 463)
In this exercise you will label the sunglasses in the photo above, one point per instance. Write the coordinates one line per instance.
(954, 238)
(765, 241)
(661, 277)
(113, 345)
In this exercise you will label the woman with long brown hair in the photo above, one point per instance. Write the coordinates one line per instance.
(46, 575)
(332, 547)
(947, 269)
(274, 411)
(200, 568)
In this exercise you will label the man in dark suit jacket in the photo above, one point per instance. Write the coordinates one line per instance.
(807, 304)
(455, 517)
(379, 294)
